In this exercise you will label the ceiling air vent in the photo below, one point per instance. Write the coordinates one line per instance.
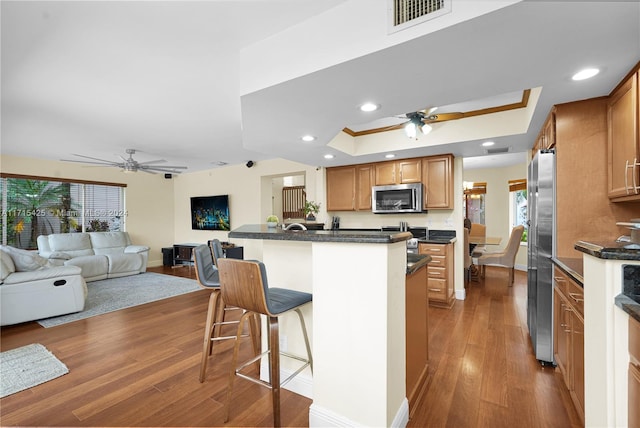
(405, 13)
(498, 150)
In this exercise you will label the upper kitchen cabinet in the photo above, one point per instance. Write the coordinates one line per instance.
(365, 179)
(398, 172)
(437, 178)
(622, 142)
(341, 188)
(547, 137)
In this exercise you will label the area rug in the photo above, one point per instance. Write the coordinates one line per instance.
(26, 367)
(110, 295)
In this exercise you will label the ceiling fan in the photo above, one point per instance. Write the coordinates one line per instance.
(421, 121)
(130, 164)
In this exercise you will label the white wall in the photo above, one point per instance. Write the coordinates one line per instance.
(148, 197)
(497, 203)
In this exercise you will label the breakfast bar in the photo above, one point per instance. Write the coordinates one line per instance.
(356, 320)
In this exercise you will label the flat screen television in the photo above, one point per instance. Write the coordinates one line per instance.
(210, 212)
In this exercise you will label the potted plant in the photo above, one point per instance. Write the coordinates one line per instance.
(310, 210)
(272, 221)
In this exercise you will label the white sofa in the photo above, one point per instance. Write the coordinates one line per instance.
(31, 289)
(100, 255)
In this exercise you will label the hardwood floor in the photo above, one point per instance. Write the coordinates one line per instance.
(139, 367)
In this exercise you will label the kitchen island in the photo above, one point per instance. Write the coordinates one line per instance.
(606, 330)
(356, 320)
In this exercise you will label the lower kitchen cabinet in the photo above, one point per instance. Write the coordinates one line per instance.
(440, 272)
(568, 337)
(633, 398)
(417, 337)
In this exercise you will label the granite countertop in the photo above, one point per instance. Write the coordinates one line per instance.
(572, 267)
(610, 250)
(437, 240)
(416, 261)
(628, 305)
(261, 231)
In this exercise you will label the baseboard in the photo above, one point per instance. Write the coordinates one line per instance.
(461, 294)
(321, 417)
(520, 267)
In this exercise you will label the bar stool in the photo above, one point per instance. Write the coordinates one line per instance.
(244, 284)
(208, 278)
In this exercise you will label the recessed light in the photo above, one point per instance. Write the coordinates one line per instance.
(390, 156)
(585, 74)
(367, 107)
(308, 138)
(488, 143)
(328, 156)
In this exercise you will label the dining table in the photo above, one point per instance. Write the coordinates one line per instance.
(480, 240)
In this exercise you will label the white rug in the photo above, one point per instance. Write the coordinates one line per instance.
(26, 367)
(110, 295)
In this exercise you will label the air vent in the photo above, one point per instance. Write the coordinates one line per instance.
(405, 13)
(498, 150)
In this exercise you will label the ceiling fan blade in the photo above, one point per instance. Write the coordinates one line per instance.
(101, 163)
(152, 161)
(89, 157)
(442, 117)
(170, 169)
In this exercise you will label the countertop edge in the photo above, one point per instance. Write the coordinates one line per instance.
(576, 276)
(629, 306)
(262, 232)
(610, 251)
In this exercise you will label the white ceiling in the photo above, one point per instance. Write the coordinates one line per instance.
(206, 81)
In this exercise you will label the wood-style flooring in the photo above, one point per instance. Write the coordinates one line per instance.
(139, 367)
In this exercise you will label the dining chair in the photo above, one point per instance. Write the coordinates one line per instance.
(467, 256)
(505, 258)
(478, 230)
(244, 284)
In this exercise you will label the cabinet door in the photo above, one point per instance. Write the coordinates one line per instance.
(341, 188)
(550, 131)
(385, 173)
(634, 396)
(622, 141)
(437, 175)
(363, 190)
(410, 171)
(562, 339)
(577, 366)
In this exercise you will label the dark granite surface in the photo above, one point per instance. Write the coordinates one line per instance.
(610, 250)
(629, 306)
(261, 231)
(439, 237)
(572, 267)
(416, 261)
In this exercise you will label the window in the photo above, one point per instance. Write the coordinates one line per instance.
(33, 206)
(518, 205)
(474, 204)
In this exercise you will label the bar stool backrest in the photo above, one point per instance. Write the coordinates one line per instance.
(216, 250)
(206, 272)
(244, 284)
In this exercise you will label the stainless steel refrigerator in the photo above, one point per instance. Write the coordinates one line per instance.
(541, 247)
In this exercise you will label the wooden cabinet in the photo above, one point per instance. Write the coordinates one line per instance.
(417, 337)
(341, 188)
(365, 177)
(623, 144)
(568, 337)
(633, 398)
(440, 272)
(398, 172)
(437, 179)
(547, 136)
(349, 187)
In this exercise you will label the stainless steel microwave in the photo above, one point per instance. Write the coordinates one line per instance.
(397, 198)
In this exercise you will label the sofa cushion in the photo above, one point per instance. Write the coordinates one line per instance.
(120, 263)
(92, 266)
(73, 244)
(6, 265)
(109, 242)
(47, 273)
(24, 260)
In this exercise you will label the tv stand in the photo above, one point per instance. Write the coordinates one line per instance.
(183, 253)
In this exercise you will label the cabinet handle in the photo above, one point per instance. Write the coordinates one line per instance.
(435, 289)
(626, 182)
(573, 296)
(559, 279)
(633, 174)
